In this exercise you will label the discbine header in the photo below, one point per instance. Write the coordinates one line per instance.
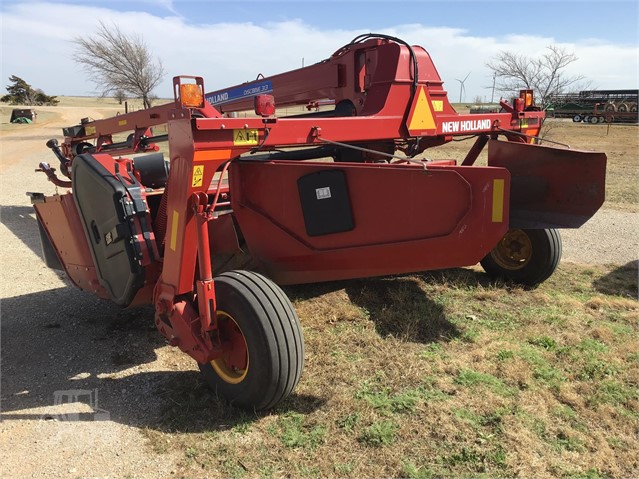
(340, 191)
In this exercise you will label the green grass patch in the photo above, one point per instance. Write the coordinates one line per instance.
(612, 392)
(472, 379)
(294, 433)
(379, 434)
(411, 471)
(543, 342)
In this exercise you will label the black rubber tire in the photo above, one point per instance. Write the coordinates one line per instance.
(594, 120)
(273, 337)
(576, 118)
(544, 259)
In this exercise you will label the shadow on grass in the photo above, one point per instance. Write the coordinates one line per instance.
(621, 281)
(193, 407)
(399, 305)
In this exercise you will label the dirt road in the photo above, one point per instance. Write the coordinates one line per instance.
(56, 339)
(60, 344)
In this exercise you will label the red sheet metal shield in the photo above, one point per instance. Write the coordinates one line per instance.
(403, 218)
(550, 187)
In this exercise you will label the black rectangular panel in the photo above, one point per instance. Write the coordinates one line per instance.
(325, 202)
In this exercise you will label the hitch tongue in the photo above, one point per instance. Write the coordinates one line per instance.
(55, 147)
(51, 176)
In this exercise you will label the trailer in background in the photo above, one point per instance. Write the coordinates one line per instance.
(596, 106)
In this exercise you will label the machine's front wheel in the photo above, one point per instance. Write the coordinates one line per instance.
(527, 257)
(262, 342)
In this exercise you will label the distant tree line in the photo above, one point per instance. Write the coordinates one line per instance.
(19, 92)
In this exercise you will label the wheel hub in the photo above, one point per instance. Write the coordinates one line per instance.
(232, 366)
(514, 250)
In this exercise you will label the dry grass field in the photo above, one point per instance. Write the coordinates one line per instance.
(440, 374)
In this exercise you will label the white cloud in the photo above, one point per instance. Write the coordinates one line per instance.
(229, 53)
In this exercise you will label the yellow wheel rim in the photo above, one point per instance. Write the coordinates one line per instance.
(232, 367)
(514, 250)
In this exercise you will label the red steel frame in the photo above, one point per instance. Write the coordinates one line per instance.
(388, 106)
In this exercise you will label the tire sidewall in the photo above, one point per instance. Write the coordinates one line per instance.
(261, 370)
(545, 256)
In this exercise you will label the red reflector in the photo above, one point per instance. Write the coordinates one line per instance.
(264, 105)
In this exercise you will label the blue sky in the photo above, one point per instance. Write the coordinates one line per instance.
(613, 20)
(229, 42)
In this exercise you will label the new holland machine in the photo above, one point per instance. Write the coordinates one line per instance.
(241, 205)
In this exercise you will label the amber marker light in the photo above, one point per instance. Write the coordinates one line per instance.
(191, 95)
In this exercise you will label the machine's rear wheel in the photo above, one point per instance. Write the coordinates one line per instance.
(262, 342)
(527, 257)
(576, 118)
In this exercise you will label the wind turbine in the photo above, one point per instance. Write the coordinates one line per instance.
(462, 88)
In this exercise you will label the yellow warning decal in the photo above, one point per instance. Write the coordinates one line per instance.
(438, 105)
(89, 130)
(175, 219)
(121, 122)
(245, 137)
(198, 175)
(421, 116)
(498, 201)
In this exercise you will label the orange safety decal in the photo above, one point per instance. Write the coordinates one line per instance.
(198, 175)
(208, 155)
(420, 118)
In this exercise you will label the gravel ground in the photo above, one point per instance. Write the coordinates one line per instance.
(56, 338)
(608, 237)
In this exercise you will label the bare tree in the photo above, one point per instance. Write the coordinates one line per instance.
(545, 75)
(117, 62)
(120, 96)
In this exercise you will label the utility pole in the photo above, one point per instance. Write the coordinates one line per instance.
(492, 96)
